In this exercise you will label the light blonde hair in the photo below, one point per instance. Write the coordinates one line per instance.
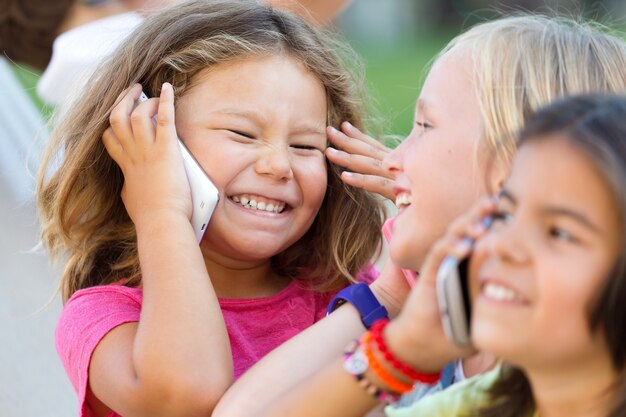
(525, 61)
(81, 209)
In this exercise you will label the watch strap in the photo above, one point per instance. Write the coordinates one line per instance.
(362, 298)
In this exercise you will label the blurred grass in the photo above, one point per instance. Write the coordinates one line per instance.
(395, 73)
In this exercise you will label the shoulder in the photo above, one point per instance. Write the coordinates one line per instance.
(89, 315)
(458, 399)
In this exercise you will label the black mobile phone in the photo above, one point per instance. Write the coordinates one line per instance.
(453, 296)
(204, 194)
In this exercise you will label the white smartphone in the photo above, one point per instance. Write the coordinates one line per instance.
(453, 296)
(204, 194)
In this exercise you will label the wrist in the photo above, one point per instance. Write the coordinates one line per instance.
(409, 347)
(163, 220)
(391, 300)
(363, 299)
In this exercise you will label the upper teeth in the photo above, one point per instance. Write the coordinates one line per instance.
(259, 203)
(403, 199)
(500, 293)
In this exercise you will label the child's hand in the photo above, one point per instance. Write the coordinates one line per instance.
(155, 183)
(417, 334)
(363, 157)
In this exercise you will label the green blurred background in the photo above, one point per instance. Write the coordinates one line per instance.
(397, 40)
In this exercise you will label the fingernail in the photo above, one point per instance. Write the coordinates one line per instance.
(347, 174)
(464, 245)
(165, 86)
(348, 125)
(332, 150)
(332, 129)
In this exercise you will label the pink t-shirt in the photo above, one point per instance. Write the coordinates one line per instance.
(255, 326)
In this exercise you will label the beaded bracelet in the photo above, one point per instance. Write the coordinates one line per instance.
(405, 369)
(378, 369)
(355, 364)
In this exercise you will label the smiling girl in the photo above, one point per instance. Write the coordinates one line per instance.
(547, 283)
(153, 323)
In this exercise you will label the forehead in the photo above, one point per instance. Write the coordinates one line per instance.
(249, 70)
(274, 78)
(553, 171)
(449, 88)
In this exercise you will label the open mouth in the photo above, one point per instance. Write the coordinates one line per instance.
(403, 200)
(259, 203)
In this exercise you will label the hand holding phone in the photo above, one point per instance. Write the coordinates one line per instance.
(453, 295)
(204, 194)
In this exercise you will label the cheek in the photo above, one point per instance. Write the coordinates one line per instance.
(568, 286)
(216, 158)
(312, 178)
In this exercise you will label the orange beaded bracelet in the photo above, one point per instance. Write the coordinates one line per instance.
(378, 370)
(405, 369)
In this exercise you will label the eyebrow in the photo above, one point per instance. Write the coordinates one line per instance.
(259, 118)
(556, 211)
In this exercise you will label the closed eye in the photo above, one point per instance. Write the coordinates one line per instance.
(306, 147)
(240, 133)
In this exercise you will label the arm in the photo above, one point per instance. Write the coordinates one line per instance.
(299, 358)
(176, 360)
(415, 336)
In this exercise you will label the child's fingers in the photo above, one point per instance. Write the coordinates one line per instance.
(113, 146)
(352, 131)
(142, 123)
(166, 127)
(352, 145)
(458, 239)
(446, 246)
(371, 183)
(119, 119)
(357, 163)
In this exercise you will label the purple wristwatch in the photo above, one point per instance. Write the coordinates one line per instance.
(362, 298)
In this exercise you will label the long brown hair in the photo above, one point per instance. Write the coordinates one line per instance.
(79, 197)
(596, 125)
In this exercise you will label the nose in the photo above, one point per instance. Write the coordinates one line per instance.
(275, 162)
(393, 161)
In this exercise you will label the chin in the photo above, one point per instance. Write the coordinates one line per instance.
(486, 338)
(402, 255)
(253, 252)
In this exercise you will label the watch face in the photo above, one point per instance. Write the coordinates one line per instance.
(356, 364)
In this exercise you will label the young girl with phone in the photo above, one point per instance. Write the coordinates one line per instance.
(548, 284)
(153, 323)
(474, 99)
